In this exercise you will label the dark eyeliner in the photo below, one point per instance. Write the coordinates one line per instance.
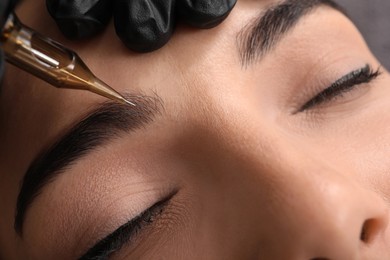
(103, 249)
(343, 85)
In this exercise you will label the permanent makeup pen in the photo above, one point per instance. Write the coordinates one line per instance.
(50, 61)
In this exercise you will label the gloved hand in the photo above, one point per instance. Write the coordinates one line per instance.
(142, 25)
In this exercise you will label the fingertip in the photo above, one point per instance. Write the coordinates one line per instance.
(205, 14)
(144, 25)
(80, 19)
(79, 28)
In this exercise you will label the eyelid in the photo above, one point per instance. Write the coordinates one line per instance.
(128, 232)
(343, 85)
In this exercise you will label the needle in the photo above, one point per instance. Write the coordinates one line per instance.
(50, 61)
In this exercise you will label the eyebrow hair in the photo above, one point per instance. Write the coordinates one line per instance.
(260, 36)
(98, 127)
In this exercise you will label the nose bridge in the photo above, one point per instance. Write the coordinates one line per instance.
(341, 220)
(331, 216)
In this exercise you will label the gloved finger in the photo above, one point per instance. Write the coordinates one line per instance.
(6, 7)
(79, 19)
(204, 13)
(144, 25)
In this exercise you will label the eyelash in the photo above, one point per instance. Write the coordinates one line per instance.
(343, 85)
(114, 242)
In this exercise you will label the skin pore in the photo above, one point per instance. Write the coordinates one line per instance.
(281, 156)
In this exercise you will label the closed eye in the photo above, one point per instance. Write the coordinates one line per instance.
(127, 232)
(343, 85)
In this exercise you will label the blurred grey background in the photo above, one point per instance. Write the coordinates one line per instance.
(372, 17)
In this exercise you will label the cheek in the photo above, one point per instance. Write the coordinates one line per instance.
(374, 148)
(359, 143)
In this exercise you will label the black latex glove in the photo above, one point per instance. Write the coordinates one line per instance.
(143, 25)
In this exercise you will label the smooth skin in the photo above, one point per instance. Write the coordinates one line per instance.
(254, 180)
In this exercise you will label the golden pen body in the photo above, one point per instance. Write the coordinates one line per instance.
(50, 61)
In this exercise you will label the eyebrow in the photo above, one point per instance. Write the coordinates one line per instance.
(259, 37)
(103, 124)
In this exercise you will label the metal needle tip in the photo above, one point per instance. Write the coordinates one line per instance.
(128, 102)
(101, 88)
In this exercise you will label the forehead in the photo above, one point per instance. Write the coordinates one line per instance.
(192, 57)
(113, 63)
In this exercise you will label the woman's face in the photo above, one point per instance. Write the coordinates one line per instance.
(240, 147)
